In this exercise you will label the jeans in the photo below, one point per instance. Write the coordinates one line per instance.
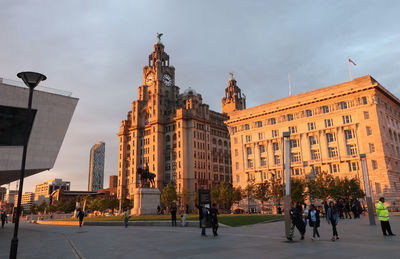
(203, 231)
(315, 230)
(333, 223)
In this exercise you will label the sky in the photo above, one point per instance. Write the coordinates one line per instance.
(97, 49)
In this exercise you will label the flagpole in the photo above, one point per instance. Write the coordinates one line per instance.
(290, 86)
(348, 61)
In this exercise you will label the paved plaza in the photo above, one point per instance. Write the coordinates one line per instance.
(265, 240)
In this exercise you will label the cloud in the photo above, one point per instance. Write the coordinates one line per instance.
(96, 49)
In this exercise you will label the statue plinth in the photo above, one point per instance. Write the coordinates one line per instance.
(145, 201)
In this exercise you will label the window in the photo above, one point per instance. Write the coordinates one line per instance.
(248, 138)
(369, 131)
(259, 124)
(378, 188)
(277, 159)
(353, 166)
(348, 134)
(296, 171)
(366, 115)
(311, 126)
(343, 105)
(371, 148)
(374, 165)
(325, 109)
(248, 150)
(236, 152)
(275, 146)
(235, 140)
(309, 113)
(330, 137)
(293, 129)
(346, 119)
(273, 121)
(351, 150)
(237, 166)
(334, 168)
(275, 133)
(249, 163)
(364, 100)
(263, 161)
(313, 140)
(328, 123)
(262, 148)
(294, 143)
(246, 126)
(295, 157)
(260, 135)
(290, 117)
(315, 155)
(237, 178)
(332, 152)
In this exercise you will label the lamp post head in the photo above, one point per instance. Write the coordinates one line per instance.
(31, 79)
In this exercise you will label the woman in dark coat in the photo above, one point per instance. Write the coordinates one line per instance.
(313, 218)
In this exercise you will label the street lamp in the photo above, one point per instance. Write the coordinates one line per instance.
(371, 215)
(287, 199)
(31, 79)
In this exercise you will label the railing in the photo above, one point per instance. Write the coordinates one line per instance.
(40, 88)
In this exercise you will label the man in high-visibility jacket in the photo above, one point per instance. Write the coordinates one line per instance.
(383, 216)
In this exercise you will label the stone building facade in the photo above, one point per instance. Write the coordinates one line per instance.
(44, 190)
(176, 135)
(329, 129)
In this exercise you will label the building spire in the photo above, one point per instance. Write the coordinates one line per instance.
(159, 37)
(233, 99)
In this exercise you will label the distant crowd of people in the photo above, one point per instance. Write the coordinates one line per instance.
(333, 211)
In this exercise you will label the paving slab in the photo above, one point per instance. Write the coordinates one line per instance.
(264, 240)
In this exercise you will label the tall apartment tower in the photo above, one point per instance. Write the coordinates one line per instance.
(329, 129)
(96, 167)
(233, 100)
(176, 135)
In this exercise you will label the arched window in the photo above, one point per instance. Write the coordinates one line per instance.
(168, 138)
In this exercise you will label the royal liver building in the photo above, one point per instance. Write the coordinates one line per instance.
(176, 135)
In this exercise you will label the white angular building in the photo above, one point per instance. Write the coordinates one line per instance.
(54, 110)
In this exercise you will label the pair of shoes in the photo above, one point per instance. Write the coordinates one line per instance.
(318, 238)
(312, 238)
(337, 237)
(392, 234)
(333, 239)
(302, 238)
(289, 238)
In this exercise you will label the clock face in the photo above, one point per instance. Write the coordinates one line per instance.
(167, 80)
(150, 79)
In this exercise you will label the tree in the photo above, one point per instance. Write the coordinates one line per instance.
(169, 195)
(33, 209)
(222, 194)
(237, 195)
(321, 187)
(345, 188)
(126, 204)
(261, 192)
(297, 190)
(42, 206)
(276, 190)
(248, 193)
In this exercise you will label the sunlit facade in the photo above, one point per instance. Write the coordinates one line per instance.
(329, 129)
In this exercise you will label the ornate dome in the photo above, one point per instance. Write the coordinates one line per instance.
(190, 91)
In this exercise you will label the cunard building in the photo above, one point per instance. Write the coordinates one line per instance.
(329, 129)
(176, 135)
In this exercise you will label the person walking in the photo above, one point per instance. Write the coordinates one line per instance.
(173, 214)
(214, 219)
(314, 220)
(3, 218)
(383, 216)
(203, 217)
(333, 219)
(126, 217)
(296, 216)
(306, 210)
(347, 208)
(81, 215)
